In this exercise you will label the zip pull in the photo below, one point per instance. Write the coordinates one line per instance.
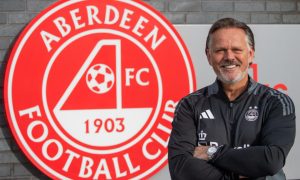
(230, 104)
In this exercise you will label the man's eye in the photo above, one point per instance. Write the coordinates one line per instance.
(219, 50)
(237, 50)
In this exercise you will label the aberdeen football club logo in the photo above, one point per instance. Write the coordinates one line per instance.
(91, 88)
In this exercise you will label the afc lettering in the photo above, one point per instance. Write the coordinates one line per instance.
(135, 74)
(280, 86)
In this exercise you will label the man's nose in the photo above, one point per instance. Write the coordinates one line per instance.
(229, 55)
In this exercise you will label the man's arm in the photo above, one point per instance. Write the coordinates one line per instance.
(181, 147)
(277, 138)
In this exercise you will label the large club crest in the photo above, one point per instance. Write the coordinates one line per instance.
(91, 88)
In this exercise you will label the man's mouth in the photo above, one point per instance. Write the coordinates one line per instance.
(229, 66)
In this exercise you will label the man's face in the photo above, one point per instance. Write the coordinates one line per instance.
(230, 55)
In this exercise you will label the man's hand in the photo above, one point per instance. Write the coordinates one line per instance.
(201, 152)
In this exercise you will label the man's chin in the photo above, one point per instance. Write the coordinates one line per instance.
(225, 81)
(230, 80)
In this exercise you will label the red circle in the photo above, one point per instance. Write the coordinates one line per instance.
(24, 88)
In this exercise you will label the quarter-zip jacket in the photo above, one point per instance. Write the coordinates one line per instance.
(256, 131)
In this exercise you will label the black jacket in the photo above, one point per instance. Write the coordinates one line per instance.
(256, 131)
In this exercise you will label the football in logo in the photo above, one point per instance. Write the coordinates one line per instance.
(91, 88)
(100, 78)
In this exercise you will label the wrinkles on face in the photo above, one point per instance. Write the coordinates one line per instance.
(230, 55)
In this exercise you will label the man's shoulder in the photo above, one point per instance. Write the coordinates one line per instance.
(268, 92)
(197, 95)
(276, 98)
(202, 92)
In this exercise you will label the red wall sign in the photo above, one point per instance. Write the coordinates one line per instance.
(280, 86)
(91, 87)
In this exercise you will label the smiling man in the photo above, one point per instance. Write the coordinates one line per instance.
(235, 128)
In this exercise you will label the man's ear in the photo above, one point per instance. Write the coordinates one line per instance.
(251, 56)
(208, 55)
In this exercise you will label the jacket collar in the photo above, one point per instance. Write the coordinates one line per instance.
(217, 88)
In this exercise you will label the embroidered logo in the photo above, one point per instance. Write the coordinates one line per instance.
(207, 115)
(202, 141)
(252, 114)
(202, 136)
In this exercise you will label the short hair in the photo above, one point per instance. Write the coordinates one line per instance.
(231, 23)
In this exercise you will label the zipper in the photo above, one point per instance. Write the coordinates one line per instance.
(231, 123)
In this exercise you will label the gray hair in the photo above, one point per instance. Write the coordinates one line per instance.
(231, 23)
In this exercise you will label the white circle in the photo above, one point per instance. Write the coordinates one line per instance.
(57, 108)
(100, 78)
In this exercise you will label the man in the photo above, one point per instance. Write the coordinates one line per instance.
(235, 128)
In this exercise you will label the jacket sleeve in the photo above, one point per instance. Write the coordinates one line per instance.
(276, 139)
(183, 140)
